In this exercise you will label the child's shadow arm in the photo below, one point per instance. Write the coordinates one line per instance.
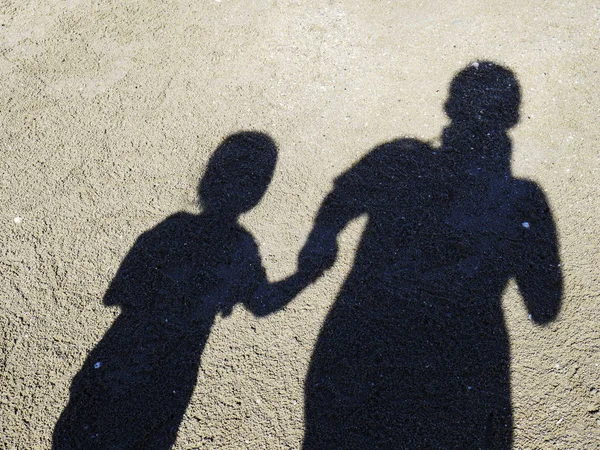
(538, 272)
(136, 272)
(272, 297)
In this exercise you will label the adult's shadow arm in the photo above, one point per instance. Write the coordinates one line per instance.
(538, 270)
(344, 203)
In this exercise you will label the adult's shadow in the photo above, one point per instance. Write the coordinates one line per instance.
(414, 353)
(135, 385)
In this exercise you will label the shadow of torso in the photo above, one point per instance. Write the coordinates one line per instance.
(414, 352)
(135, 385)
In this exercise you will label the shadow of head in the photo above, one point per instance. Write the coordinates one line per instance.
(238, 174)
(484, 95)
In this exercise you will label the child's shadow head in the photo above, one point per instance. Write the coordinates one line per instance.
(484, 96)
(238, 174)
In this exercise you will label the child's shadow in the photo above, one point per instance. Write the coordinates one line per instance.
(135, 385)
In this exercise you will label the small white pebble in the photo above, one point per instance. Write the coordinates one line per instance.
(476, 65)
(97, 365)
(18, 220)
(525, 224)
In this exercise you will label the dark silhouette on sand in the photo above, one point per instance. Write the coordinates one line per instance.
(414, 353)
(135, 385)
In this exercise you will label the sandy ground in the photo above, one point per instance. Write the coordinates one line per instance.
(110, 112)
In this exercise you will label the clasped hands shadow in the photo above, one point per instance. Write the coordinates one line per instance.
(414, 353)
